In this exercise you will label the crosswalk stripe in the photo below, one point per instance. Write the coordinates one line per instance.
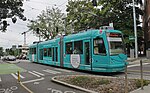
(62, 70)
(51, 71)
(20, 76)
(35, 80)
(138, 65)
(34, 74)
(14, 75)
(38, 73)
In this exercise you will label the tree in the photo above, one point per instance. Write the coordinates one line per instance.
(1, 51)
(80, 15)
(49, 23)
(10, 9)
(83, 15)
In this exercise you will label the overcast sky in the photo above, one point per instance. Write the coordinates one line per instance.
(32, 9)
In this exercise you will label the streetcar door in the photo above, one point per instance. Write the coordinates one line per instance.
(87, 54)
(55, 56)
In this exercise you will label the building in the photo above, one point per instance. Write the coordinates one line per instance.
(146, 24)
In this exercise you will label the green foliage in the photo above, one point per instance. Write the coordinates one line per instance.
(10, 9)
(84, 80)
(48, 22)
(80, 80)
(104, 81)
(1, 51)
(78, 15)
(138, 83)
(83, 15)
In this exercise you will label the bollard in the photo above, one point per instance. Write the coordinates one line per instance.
(141, 68)
(18, 76)
(126, 80)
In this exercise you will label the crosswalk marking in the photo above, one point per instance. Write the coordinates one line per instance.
(51, 71)
(35, 80)
(62, 70)
(20, 75)
(34, 74)
(38, 73)
(14, 75)
(138, 64)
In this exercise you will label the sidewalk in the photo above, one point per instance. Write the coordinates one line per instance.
(145, 90)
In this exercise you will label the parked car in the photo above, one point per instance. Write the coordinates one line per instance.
(4, 58)
(11, 58)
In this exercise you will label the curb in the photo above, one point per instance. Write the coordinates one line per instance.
(73, 86)
(86, 90)
(13, 62)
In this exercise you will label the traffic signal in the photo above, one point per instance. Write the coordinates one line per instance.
(14, 20)
(94, 2)
(57, 29)
(4, 25)
(37, 30)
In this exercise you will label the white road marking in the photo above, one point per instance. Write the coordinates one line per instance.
(34, 74)
(138, 65)
(38, 73)
(16, 77)
(51, 71)
(62, 70)
(0, 79)
(20, 76)
(14, 88)
(36, 83)
(35, 80)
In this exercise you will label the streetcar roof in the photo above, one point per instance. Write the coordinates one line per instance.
(81, 35)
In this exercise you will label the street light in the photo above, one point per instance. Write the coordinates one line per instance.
(135, 31)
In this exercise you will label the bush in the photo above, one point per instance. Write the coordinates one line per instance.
(145, 83)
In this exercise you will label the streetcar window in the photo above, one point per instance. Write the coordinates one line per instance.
(41, 54)
(69, 48)
(30, 52)
(34, 50)
(49, 52)
(116, 44)
(99, 47)
(78, 47)
(45, 52)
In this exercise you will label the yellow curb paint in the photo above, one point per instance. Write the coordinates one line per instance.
(25, 87)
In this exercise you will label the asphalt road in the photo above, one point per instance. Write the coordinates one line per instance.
(37, 78)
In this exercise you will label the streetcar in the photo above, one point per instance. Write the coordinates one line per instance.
(97, 50)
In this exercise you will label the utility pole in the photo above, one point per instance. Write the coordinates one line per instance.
(24, 33)
(135, 31)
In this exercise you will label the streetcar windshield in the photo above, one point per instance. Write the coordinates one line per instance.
(116, 45)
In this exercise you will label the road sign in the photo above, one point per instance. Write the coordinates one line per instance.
(131, 37)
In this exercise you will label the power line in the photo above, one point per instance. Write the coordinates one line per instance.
(62, 4)
(10, 39)
(32, 7)
(40, 2)
(44, 3)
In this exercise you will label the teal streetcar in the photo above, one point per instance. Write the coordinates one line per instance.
(98, 50)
